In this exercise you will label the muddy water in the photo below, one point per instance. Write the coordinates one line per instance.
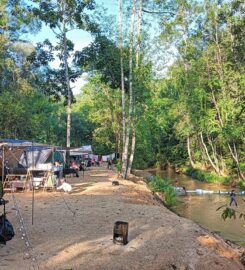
(202, 208)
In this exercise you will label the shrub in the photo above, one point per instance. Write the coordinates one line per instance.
(119, 166)
(241, 184)
(205, 176)
(163, 185)
(170, 196)
(158, 184)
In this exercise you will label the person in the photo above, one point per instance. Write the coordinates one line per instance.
(64, 186)
(233, 197)
(75, 167)
(109, 165)
(184, 189)
(56, 169)
(74, 164)
(82, 166)
(89, 163)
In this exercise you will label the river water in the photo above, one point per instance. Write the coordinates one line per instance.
(202, 208)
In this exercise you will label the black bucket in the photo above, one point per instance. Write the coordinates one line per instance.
(120, 233)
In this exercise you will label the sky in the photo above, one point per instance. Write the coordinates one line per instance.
(80, 39)
(159, 56)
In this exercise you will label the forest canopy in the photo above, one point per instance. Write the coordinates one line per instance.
(165, 80)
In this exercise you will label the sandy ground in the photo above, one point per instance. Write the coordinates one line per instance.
(75, 231)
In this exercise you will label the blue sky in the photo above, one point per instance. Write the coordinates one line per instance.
(80, 39)
(160, 56)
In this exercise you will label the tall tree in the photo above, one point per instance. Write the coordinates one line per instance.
(137, 63)
(120, 28)
(62, 17)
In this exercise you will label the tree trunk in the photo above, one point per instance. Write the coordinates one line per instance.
(189, 152)
(209, 158)
(140, 14)
(120, 26)
(131, 159)
(221, 124)
(214, 154)
(125, 161)
(69, 94)
(133, 144)
(236, 159)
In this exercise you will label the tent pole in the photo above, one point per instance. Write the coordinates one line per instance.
(3, 163)
(32, 213)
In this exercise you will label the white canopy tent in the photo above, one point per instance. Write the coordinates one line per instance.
(81, 151)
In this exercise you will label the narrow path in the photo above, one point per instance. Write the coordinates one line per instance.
(74, 231)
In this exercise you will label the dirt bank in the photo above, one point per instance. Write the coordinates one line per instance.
(74, 231)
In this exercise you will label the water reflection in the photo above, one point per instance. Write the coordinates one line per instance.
(202, 208)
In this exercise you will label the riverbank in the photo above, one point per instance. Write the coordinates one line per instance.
(75, 231)
(201, 207)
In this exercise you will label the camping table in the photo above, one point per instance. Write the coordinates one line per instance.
(13, 181)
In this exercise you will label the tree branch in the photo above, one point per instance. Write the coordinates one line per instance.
(75, 74)
(158, 12)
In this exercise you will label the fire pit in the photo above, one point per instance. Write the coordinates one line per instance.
(120, 233)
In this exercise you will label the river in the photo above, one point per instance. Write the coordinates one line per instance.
(202, 208)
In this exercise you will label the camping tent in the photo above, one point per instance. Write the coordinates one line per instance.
(81, 151)
(24, 153)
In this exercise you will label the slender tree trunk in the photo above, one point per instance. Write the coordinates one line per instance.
(125, 161)
(220, 71)
(221, 124)
(207, 153)
(215, 155)
(69, 94)
(120, 28)
(133, 144)
(140, 16)
(236, 159)
(189, 152)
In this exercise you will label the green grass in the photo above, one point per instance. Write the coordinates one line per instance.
(208, 177)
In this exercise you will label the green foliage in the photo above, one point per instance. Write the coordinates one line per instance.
(158, 184)
(170, 196)
(230, 213)
(205, 176)
(103, 55)
(241, 184)
(119, 166)
(201, 94)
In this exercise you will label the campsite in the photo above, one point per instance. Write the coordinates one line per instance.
(122, 134)
(75, 231)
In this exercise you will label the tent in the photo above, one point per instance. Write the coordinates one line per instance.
(32, 156)
(81, 151)
(23, 153)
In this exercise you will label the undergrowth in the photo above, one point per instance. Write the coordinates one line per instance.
(208, 177)
(159, 184)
